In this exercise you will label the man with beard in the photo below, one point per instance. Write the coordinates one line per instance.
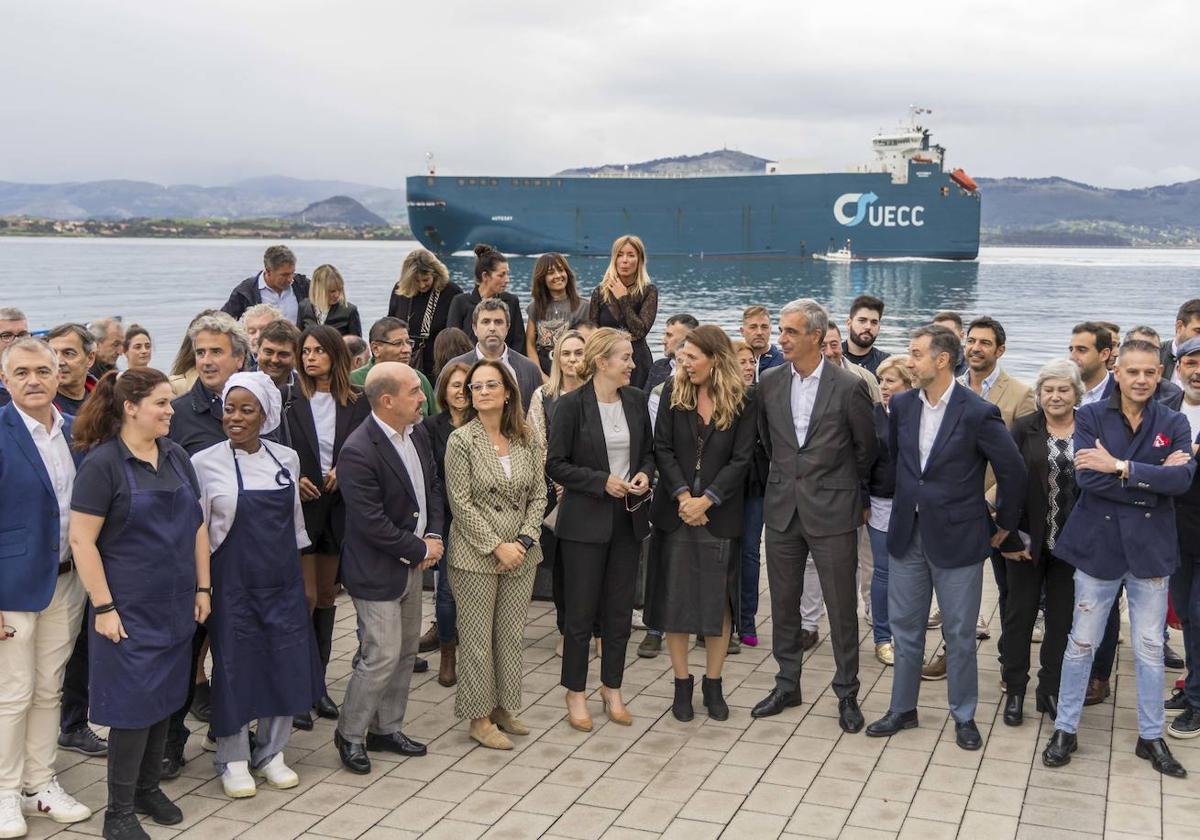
(862, 328)
(1187, 326)
(390, 342)
(490, 322)
(278, 344)
(110, 344)
(756, 330)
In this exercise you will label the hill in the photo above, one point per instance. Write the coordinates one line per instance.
(719, 162)
(340, 210)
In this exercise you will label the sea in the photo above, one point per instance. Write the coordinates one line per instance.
(1038, 294)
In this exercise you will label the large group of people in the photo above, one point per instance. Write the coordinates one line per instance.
(174, 544)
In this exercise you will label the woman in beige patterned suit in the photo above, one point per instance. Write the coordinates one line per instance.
(495, 482)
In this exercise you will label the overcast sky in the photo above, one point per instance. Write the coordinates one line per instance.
(213, 91)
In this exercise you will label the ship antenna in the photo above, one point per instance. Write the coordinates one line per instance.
(430, 166)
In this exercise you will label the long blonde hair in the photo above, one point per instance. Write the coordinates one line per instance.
(600, 345)
(418, 262)
(725, 382)
(554, 383)
(643, 278)
(325, 279)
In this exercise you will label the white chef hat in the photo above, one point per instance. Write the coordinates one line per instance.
(264, 389)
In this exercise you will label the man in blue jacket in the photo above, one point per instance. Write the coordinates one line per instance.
(41, 597)
(943, 437)
(1132, 455)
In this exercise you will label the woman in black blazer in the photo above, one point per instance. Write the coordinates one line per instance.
(327, 304)
(1045, 440)
(703, 445)
(600, 453)
(321, 417)
(422, 299)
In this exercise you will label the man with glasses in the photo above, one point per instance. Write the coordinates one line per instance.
(490, 321)
(390, 342)
(13, 325)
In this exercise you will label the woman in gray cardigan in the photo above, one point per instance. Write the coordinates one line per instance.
(496, 485)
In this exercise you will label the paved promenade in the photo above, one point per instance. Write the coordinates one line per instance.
(795, 775)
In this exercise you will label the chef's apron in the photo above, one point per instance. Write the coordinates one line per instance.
(265, 661)
(150, 565)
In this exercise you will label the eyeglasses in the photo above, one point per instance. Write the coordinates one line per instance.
(398, 343)
(8, 336)
(489, 385)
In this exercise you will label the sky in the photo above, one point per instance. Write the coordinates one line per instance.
(211, 92)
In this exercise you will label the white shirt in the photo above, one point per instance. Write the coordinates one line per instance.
(1192, 413)
(804, 396)
(503, 358)
(1094, 394)
(616, 438)
(56, 457)
(324, 412)
(1177, 374)
(219, 488)
(407, 450)
(931, 420)
(284, 301)
(506, 465)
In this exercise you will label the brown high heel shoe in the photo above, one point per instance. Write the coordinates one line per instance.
(621, 718)
(581, 724)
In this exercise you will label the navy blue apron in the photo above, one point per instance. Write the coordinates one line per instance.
(265, 661)
(150, 566)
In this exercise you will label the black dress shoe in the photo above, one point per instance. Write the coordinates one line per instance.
(420, 665)
(967, 736)
(1058, 751)
(172, 763)
(123, 827)
(354, 756)
(893, 722)
(1014, 710)
(303, 722)
(808, 640)
(776, 702)
(1047, 704)
(202, 702)
(1157, 752)
(155, 803)
(397, 742)
(850, 718)
(1171, 659)
(326, 708)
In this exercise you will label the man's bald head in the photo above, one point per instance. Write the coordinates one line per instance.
(394, 391)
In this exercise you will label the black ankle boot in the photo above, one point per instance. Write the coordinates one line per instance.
(1014, 710)
(714, 701)
(682, 707)
(323, 621)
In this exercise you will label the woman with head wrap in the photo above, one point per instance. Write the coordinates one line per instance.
(265, 663)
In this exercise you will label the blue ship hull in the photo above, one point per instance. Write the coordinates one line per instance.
(931, 216)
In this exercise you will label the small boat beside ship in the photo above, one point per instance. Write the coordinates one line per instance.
(841, 255)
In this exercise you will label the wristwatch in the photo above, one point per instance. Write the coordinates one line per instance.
(206, 590)
(1122, 468)
(526, 541)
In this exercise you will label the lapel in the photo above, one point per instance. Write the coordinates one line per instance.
(390, 456)
(424, 453)
(954, 411)
(302, 410)
(485, 454)
(782, 396)
(1039, 435)
(999, 390)
(28, 447)
(825, 387)
(592, 424)
(342, 416)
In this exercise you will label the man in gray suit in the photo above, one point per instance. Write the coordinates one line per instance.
(490, 322)
(818, 427)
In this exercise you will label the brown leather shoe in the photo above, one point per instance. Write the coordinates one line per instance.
(1097, 692)
(935, 669)
(447, 675)
(429, 639)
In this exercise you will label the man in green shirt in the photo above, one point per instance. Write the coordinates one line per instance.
(390, 343)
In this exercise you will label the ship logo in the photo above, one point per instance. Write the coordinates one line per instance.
(864, 200)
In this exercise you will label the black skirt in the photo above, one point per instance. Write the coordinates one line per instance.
(692, 579)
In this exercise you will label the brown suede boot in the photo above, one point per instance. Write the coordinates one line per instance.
(447, 675)
(429, 639)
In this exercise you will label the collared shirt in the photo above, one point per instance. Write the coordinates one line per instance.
(56, 457)
(773, 357)
(285, 301)
(988, 381)
(932, 415)
(804, 396)
(503, 358)
(407, 450)
(1096, 394)
(656, 396)
(219, 485)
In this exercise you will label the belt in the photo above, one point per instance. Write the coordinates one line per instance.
(66, 565)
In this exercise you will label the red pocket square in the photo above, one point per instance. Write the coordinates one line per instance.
(1161, 440)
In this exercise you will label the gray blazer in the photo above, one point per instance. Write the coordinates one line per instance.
(822, 479)
(528, 374)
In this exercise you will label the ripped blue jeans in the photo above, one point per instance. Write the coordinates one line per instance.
(1147, 612)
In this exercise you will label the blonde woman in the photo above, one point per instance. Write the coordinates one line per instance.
(703, 445)
(421, 298)
(894, 378)
(495, 481)
(327, 304)
(627, 300)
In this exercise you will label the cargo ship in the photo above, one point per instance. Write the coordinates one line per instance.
(904, 204)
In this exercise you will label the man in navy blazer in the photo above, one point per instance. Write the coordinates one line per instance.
(1132, 455)
(943, 437)
(41, 597)
(394, 518)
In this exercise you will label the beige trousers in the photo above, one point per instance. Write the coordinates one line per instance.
(32, 665)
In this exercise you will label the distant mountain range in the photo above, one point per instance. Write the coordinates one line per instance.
(1016, 211)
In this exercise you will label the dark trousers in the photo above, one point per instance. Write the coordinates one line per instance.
(1185, 597)
(751, 567)
(445, 608)
(551, 553)
(177, 731)
(134, 764)
(74, 714)
(599, 583)
(836, 559)
(1000, 573)
(1026, 582)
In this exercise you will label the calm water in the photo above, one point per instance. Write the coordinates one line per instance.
(1038, 294)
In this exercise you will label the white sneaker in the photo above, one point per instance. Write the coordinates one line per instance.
(237, 781)
(1039, 628)
(935, 619)
(12, 823)
(639, 623)
(981, 629)
(277, 774)
(54, 802)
